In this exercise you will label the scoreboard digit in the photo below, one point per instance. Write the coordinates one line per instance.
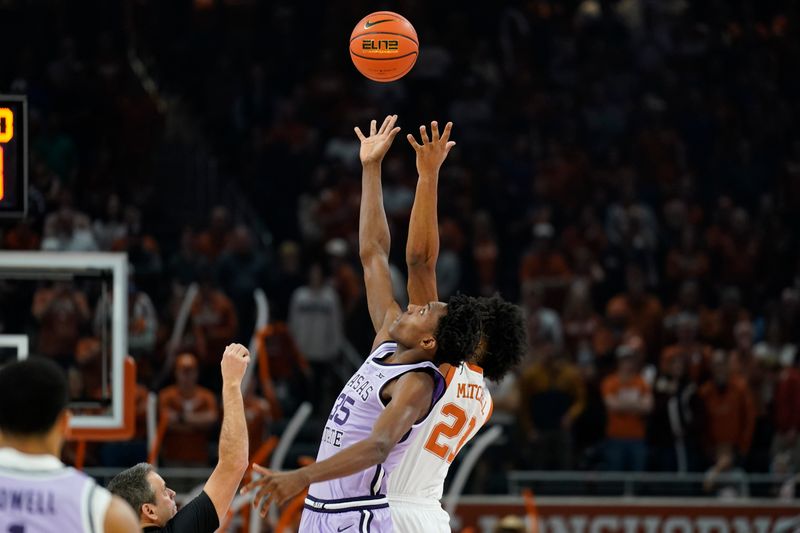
(13, 156)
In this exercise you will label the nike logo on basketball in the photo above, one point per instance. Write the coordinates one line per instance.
(368, 24)
(343, 528)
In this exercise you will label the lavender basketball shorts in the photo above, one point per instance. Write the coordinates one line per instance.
(350, 515)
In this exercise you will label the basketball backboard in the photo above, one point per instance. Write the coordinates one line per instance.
(99, 282)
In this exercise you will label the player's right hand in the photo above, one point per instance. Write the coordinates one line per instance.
(234, 364)
(432, 152)
(374, 147)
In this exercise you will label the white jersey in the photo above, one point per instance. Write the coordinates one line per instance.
(39, 494)
(465, 407)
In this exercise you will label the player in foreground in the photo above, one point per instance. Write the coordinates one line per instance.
(154, 502)
(380, 409)
(37, 491)
(417, 484)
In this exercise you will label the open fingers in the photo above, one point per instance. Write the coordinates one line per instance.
(372, 127)
(249, 487)
(262, 502)
(434, 131)
(449, 146)
(392, 121)
(446, 133)
(385, 124)
(359, 134)
(413, 142)
(424, 134)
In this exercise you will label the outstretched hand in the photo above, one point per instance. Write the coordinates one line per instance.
(374, 147)
(277, 487)
(432, 152)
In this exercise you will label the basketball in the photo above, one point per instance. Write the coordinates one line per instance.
(384, 46)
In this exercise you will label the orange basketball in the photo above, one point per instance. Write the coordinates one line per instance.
(384, 46)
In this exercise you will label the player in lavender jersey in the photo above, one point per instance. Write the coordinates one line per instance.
(387, 399)
(38, 493)
(417, 483)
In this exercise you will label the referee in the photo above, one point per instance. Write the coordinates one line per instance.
(154, 502)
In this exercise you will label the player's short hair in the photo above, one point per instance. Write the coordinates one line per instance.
(33, 393)
(504, 337)
(458, 331)
(132, 486)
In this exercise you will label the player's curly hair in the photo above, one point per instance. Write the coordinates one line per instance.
(458, 331)
(504, 341)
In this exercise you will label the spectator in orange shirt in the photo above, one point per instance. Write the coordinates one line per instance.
(628, 400)
(696, 356)
(191, 411)
(730, 412)
(643, 311)
(214, 324)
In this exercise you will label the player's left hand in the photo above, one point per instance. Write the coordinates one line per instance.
(278, 487)
(374, 147)
(432, 152)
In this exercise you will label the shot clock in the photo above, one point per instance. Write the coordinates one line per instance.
(13, 156)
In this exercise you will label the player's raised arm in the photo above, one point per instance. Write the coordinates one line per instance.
(373, 229)
(422, 248)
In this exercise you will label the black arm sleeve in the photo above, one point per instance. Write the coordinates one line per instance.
(197, 516)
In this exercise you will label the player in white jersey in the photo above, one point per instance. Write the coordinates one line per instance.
(417, 483)
(388, 399)
(37, 491)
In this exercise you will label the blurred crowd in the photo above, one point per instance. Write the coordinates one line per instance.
(626, 170)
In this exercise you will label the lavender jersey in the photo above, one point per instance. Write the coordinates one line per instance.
(352, 418)
(39, 494)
